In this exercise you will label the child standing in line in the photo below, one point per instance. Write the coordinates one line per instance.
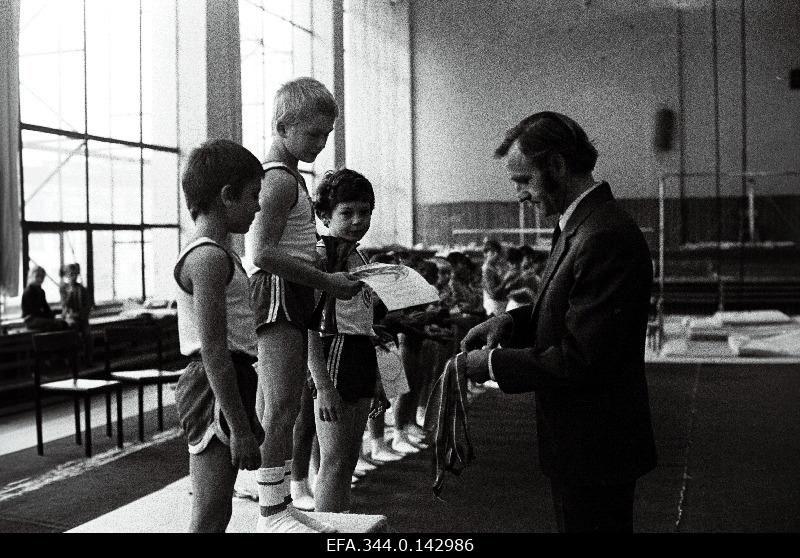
(282, 245)
(345, 370)
(215, 395)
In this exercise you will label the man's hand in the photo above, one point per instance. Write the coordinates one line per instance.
(478, 366)
(341, 286)
(330, 404)
(244, 452)
(488, 334)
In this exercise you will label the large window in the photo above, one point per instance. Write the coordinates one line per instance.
(99, 156)
(276, 45)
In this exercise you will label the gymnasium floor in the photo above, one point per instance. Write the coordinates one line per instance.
(729, 455)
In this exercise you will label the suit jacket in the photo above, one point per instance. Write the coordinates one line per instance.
(580, 346)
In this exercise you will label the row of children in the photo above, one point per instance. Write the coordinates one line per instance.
(245, 325)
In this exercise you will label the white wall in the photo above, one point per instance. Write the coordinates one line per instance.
(479, 67)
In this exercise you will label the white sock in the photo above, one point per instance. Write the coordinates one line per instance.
(294, 513)
(276, 514)
(287, 476)
(246, 485)
(270, 488)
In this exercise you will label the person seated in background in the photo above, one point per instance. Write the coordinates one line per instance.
(533, 262)
(492, 272)
(410, 327)
(36, 312)
(512, 271)
(521, 284)
(444, 272)
(379, 449)
(466, 294)
(76, 304)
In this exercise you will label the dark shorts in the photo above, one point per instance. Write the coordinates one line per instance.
(273, 299)
(352, 365)
(198, 409)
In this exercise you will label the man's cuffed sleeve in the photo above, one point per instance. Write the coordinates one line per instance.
(491, 370)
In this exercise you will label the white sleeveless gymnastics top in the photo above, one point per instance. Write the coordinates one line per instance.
(299, 237)
(241, 325)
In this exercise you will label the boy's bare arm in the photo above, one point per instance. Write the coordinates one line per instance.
(278, 194)
(328, 399)
(207, 269)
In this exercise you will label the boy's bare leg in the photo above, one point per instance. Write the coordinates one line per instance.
(282, 355)
(340, 445)
(281, 373)
(304, 432)
(212, 477)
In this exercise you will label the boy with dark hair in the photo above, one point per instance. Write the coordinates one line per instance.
(344, 368)
(215, 395)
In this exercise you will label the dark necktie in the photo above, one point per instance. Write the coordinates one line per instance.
(556, 234)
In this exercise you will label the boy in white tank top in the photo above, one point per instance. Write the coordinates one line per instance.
(282, 248)
(215, 395)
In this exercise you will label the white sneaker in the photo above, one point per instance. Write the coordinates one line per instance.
(402, 445)
(309, 521)
(414, 431)
(383, 452)
(282, 522)
(246, 486)
(301, 495)
(364, 466)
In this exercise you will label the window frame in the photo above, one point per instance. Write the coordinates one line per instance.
(88, 227)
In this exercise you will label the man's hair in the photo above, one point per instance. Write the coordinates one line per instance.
(301, 98)
(213, 165)
(343, 185)
(546, 133)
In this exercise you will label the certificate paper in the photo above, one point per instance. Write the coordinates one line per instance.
(397, 285)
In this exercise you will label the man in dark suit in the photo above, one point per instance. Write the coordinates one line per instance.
(580, 346)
